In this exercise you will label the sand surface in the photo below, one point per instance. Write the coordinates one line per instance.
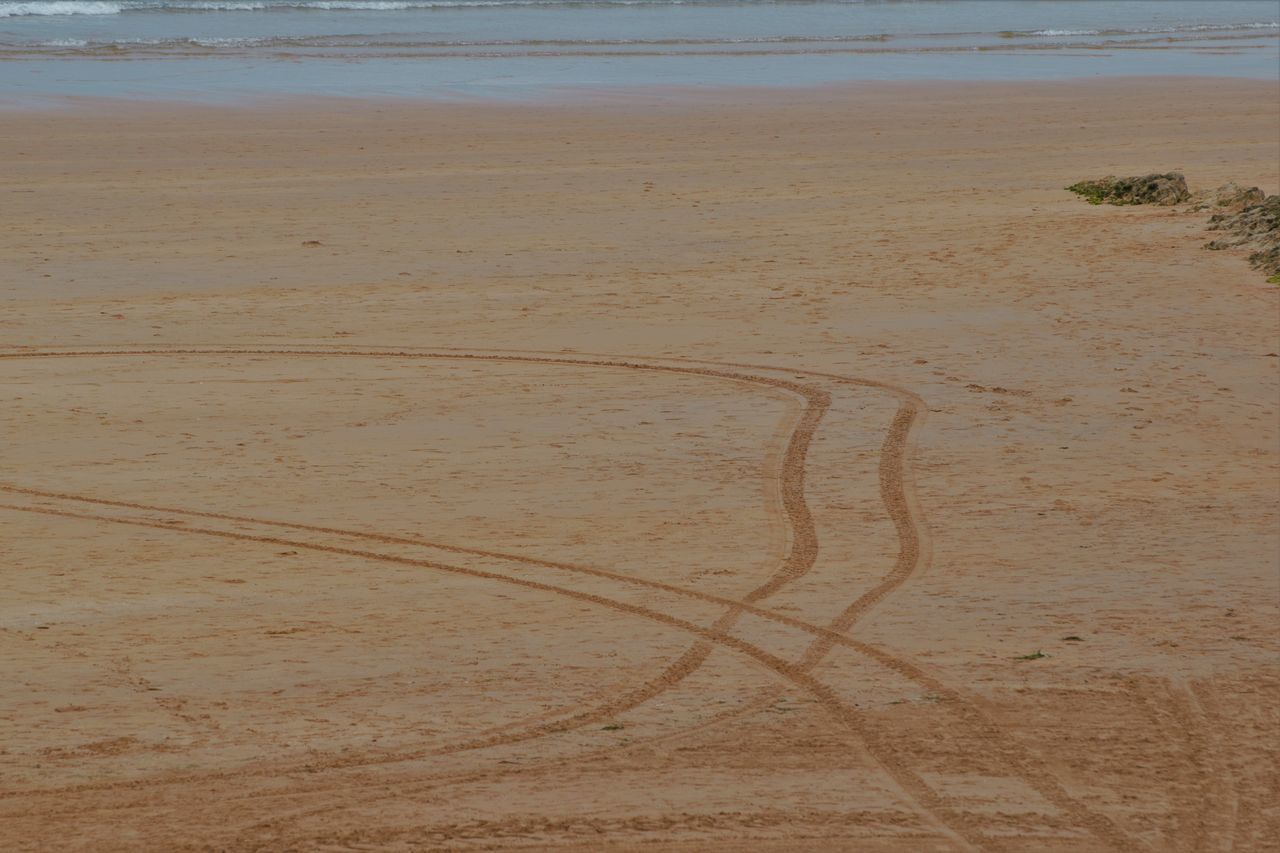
(699, 473)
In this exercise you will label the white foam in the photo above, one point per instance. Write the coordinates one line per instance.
(359, 5)
(224, 42)
(398, 5)
(223, 6)
(58, 7)
(1192, 28)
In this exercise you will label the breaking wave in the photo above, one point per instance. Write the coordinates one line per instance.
(59, 7)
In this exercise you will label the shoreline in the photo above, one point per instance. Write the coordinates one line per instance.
(624, 97)
(231, 81)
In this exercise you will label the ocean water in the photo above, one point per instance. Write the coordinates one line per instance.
(224, 49)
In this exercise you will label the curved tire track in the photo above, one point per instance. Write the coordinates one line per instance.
(800, 558)
(895, 493)
(850, 718)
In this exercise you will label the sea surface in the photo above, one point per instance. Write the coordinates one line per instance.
(228, 49)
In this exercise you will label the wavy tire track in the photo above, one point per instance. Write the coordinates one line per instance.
(894, 491)
(800, 558)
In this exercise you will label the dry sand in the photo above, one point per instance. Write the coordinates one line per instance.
(667, 474)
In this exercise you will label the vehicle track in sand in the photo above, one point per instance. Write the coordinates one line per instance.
(1204, 810)
(1205, 706)
(961, 825)
(1020, 762)
(800, 557)
(894, 492)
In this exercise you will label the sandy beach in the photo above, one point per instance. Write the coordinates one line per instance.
(716, 471)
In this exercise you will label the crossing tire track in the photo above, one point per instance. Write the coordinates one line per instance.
(896, 492)
(800, 558)
(958, 824)
(1016, 758)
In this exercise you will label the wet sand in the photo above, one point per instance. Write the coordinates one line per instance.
(757, 471)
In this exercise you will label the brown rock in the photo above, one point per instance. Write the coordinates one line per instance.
(1161, 189)
(1258, 227)
(1228, 198)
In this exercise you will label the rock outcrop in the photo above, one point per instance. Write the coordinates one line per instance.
(1165, 190)
(1246, 215)
(1257, 227)
(1228, 198)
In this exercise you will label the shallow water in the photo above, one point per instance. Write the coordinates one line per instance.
(515, 48)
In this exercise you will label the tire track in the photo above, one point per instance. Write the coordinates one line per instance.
(1205, 705)
(800, 558)
(912, 552)
(1016, 758)
(799, 561)
(1219, 800)
(1200, 818)
(915, 551)
(956, 824)
(898, 495)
